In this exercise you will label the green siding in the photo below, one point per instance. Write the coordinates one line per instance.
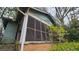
(41, 16)
(9, 33)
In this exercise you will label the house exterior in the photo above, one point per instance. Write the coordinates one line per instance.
(31, 26)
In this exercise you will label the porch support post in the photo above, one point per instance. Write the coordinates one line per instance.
(24, 30)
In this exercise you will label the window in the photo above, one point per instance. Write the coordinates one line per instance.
(36, 30)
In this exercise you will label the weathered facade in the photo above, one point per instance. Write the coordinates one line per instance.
(31, 26)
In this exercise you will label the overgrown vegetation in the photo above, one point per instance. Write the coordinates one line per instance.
(58, 33)
(73, 35)
(67, 46)
(68, 37)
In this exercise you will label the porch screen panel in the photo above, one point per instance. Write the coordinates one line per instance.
(30, 35)
(37, 25)
(30, 22)
(38, 36)
(43, 27)
(48, 37)
(43, 37)
(36, 30)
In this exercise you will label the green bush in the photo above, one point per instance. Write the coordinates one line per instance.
(58, 32)
(73, 34)
(67, 46)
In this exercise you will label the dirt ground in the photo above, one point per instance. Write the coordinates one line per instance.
(37, 47)
(7, 47)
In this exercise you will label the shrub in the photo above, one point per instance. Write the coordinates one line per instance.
(58, 32)
(73, 34)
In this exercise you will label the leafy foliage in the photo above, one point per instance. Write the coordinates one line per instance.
(58, 32)
(73, 35)
(8, 11)
(73, 32)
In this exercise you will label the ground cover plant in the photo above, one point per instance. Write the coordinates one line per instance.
(66, 46)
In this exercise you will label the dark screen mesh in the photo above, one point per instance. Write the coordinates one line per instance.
(30, 35)
(43, 27)
(38, 36)
(37, 25)
(36, 30)
(43, 37)
(30, 22)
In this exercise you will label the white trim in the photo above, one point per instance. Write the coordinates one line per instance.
(30, 42)
(32, 16)
(38, 19)
(20, 11)
(24, 30)
(39, 10)
(36, 30)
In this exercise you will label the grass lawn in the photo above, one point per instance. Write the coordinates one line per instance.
(67, 46)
